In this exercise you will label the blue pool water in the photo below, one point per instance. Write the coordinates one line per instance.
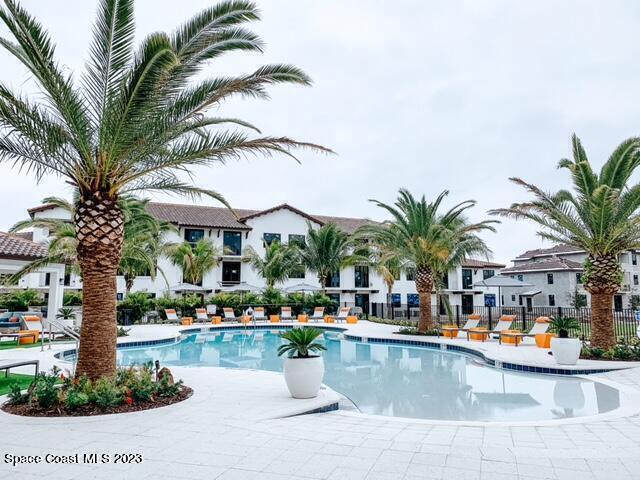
(399, 381)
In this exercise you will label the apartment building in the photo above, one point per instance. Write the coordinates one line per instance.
(555, 274)
(232, 232)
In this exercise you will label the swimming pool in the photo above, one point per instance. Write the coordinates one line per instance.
(397, 380)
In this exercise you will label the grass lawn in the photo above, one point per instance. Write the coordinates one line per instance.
(12, 344)
(23, 380)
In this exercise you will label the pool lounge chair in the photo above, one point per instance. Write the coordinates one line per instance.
(201, 315)
(504, 323)
(285, 314)
(172, 315)
(472, 322)
(259, 315)
(229, 315)
(541, 326)
(212, 310)
(343, 313)
(318, 314)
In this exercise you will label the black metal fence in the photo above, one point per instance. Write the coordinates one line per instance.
(624, 320)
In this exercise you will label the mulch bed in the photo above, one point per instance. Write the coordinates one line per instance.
(90, 410)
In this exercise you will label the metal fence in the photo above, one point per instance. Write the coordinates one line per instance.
(624, 320)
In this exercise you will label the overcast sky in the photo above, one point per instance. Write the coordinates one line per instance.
(456, 95)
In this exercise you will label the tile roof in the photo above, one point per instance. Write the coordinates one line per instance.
(553, 263)
(556, 249)
(220, 217)
(16, 247)
(473, 263)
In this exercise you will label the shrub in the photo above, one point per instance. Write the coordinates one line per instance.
(15, 395)
(414, 331)
(301, 342)
(45, 391)
(139, 303)
(166, 389)
(72, 299)
(139, 383)
(75, 399)
(624, 350)
(20, 301)
(123, 332)
(106, 394)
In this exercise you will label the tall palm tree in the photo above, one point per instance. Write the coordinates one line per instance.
(385, 262)
(278, 262)
(195, 260)
(140, 248)
(420, 236)
(138, 119)
(599, 216)
(327, 250)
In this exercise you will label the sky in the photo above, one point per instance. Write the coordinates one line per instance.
(423, 95)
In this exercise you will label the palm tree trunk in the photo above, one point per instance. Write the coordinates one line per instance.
(602, 328)
(99, 230)
(424, 287)
(389, 294)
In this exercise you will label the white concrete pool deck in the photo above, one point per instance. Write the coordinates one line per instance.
(229, 430)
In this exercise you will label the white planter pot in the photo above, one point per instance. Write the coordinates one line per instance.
(304, 376)
(566, 351)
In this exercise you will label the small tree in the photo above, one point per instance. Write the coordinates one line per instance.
(194, 260)
(278, 262)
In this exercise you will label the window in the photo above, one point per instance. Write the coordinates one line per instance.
(231, 272)
(67, 275)
(361, 274)
(579, 278)
(297, 272)
(396, 300)
(445, 280)
(521, 278)
(581, 300)
(232, 243)
(47, 279)
(635, 279)
(634, 259)
(413, 300)
(488, 274)
(513, 298)
(550, 278)
(490, 300)
(552, 300)
(411, 274)
(334, 280)
(467, 278)
(193, 236)
(269, 238)
(520, 300)
(299, 240)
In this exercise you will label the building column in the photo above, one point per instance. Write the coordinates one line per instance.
(56, 292)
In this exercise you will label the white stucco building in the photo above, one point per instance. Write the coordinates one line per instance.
(358, 286)
(555, 274)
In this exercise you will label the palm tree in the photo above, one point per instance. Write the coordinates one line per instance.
(195, 260)
(278, 262)
(140, 248)
(139, 118)
(384, 262)
(327, 250)
(420, 236)
(600, 216)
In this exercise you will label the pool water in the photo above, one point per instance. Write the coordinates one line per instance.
(400, 381)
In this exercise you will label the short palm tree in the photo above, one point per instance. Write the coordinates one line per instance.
(385, 263)
(278, 262)
(138, 119)
(195, 260)
(327, 250)
(599, 216)
(420, 236)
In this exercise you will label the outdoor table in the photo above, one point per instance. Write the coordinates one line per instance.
(216, 319)
(19, 336)
(187, 320)
(478, 334)
(274, 318)
(352, 319)
(329, 319)
(511, 337)
(450, 331)
(302, 318)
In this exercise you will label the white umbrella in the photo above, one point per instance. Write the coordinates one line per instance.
(501, 281)
(303, 288)
(241, 287)
(187, 288)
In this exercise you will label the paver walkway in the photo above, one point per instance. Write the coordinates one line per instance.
(215, 435)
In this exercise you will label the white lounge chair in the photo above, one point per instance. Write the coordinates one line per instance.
(472, 322)
(318, 314)
(229, 315)
(259, 314)
(211, 310)
(172, 315)
(504, 323)
(285, 314)
(201, 315)
(343, 313)
(541, 326)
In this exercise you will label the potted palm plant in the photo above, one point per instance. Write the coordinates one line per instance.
(303, 371)
(566, 350)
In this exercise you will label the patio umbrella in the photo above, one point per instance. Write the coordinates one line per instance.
(302, 288)
(501, 281)
(241, 288)
(187, 288)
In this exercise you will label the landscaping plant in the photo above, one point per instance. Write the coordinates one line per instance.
(563, 326)
(301, 342)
